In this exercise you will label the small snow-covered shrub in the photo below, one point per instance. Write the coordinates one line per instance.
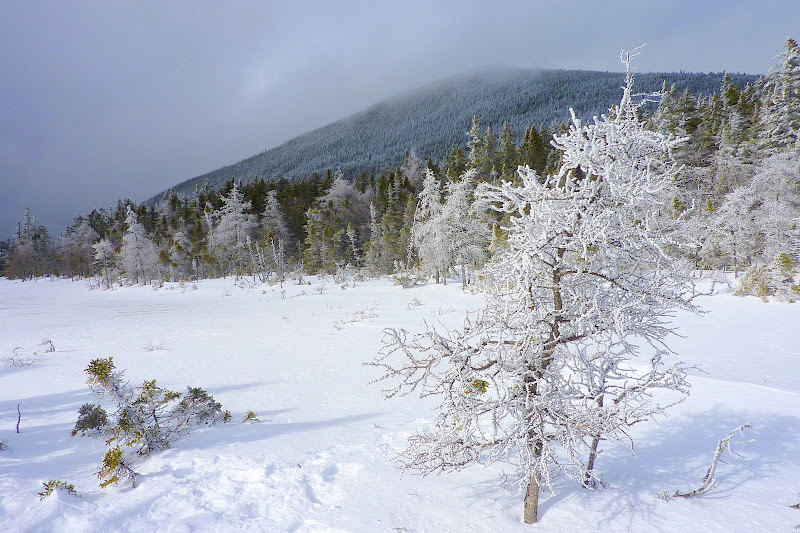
(408, 278)
(414, 303)
(776, 279)
(250, 417)
(145, 419)
(347, 275)
(55, 484)
(755, 282)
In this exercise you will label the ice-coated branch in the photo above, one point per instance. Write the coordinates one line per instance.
(710, 479)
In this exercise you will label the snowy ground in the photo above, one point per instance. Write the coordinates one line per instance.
(320, 460)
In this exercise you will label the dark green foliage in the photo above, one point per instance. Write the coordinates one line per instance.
(92, 418)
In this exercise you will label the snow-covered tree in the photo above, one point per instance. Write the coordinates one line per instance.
(104, 258)
(463, 226)
(780, 119)
(177, 256)
(232, 225)
(32, 253)
(545, 370)
(758, 220)
(374, 257)
(272, 222)
(327, 242)
(413, 168)
(428, 234)
(138, 255)
(75, 247)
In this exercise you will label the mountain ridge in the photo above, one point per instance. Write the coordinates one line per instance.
(432, 117)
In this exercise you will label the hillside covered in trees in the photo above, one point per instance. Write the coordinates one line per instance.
(431, 119)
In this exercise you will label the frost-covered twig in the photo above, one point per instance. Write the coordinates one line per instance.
(710, 480)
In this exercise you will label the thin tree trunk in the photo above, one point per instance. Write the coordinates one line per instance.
(589, 476)
(531, 504)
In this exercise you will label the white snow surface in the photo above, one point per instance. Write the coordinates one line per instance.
(321, 459)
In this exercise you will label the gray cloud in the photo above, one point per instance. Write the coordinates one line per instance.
(105, 100)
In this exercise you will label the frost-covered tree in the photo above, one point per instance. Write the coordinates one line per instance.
(272, 221)
(327, 242)
(375, 255)
(177, 256)
(765, 214)
(232, 225)
(463, 226)
(32, 253)
(428, 234)
(413, 168)
(104, 258)
(75, 249)
(758, 220)
(138, 255)
(546, 369)
(780, 119)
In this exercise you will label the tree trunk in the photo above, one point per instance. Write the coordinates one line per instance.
(531, 503)
(588, 478)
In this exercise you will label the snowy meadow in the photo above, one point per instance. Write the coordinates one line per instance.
(321, 455)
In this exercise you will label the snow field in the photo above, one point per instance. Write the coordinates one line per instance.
(320, 460)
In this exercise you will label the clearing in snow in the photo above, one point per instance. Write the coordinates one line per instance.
(321, 457)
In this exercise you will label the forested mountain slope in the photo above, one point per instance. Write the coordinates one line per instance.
(432, 118)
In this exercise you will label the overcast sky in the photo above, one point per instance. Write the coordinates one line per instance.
(103, 100)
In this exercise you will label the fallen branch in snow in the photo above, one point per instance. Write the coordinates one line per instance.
(18, 360)
(19, 417)
(47, 346)
(153, 347)
(356, 316)
(710, 480)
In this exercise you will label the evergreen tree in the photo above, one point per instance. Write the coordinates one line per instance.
(780, 119)
(428, 235)
(138, 255)
(232, 225)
